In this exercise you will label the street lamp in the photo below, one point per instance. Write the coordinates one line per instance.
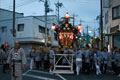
(90, 31)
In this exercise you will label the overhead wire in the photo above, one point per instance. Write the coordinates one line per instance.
(86, 1)
(22, 4)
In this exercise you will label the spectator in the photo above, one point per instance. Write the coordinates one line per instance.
(16, 61)
(51, 59)
(32, 57)
(78, 61)
(6, 52)
(117, 61)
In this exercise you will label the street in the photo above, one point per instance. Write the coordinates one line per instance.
(42, 74)
(60, 39)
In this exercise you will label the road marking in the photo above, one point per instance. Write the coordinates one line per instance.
(39, 77)
(41, 72)
(26, 72)
(60, 76)
(110, 71)
(50, 74)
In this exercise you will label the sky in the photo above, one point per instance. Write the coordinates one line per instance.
(85, 10)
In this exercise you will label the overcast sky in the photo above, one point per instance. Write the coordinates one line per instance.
(86, 10)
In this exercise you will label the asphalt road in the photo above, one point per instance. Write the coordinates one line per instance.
(43, 74)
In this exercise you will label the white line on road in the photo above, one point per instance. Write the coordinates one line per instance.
(26, 72)
(60, 76)
(38, 77)
(110, 71)
(50, 74)
(41, 72)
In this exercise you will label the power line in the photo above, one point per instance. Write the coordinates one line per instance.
(21, 4)
(87, 22)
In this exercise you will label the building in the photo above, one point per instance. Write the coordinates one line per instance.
(6, 25)
(111, 17)
(30, 30)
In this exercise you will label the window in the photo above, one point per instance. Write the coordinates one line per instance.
(116, 41)
(3, 29)
(20, 27)
(106, 17)
(41, 29)
(119, 11)
(116, 12)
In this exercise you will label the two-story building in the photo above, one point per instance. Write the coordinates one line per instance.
(30, 30)
(111, 15)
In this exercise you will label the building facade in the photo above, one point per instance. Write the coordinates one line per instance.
(30, 30)
(111, 16)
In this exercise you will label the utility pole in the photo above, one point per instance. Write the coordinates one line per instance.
(13, 31)
(87, 34)
(58, 5)
(58, 13)
(94, 33)
(101, 25)
(46, 11)
(73, 19)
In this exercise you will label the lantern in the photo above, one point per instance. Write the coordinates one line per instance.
(79, 31)
(79, 27)
(53, 27)
(71, 37)
(67, 16)
(60, 37)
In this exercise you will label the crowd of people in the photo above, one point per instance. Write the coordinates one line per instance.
(98, 61)
(85, 60)
(93, 60)
(4, 52)
(13, 60)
